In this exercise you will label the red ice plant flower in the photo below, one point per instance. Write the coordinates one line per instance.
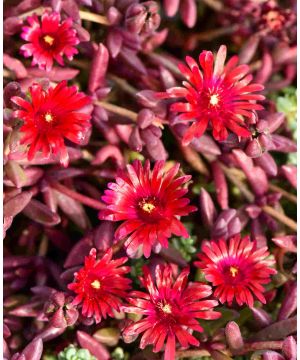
(100, 285)
(171, 309)
(49, 40)
(218, 95)
(237, 270)
(50, 116)
(150, 203)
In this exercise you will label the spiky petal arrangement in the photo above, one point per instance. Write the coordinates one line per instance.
(150, 202)
(51, 116)
(49, 39)
(219, 96)
(171, 308)
(100, 285)
(237, 269)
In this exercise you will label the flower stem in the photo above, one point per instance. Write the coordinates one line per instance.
(92, 203)
(118, 110)
(236, 178)
(238, 183)
(262, 345)
(38, 11)
(123, 84)
(194, 159)
(214, 34)
(284, 193)
(214, 4)
(280, 217)
(96, 18)
(191, 353)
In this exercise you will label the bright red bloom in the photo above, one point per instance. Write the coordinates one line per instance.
(218, 95)
(238, 269)
(50, 117)
(100, 285)
(150, 202)
(49, 40)
(170, 310)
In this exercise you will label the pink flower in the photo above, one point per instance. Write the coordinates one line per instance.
(150, 202)
(218, 95)
(50, 116)
(49, 40)
(237, 270)
(170, 308)
(100, 285)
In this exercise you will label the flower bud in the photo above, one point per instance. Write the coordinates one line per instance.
(289, 303)
(254, 149)
(207, 208)
(145, 118)
(289, 348)
(98, 68)
(188, 11)
(267, 163)
(135, 142)
(272, 355)
(261, 317)
(95, 348)
(290, 172)
(233, 336)
(113, 15)
(60, 310)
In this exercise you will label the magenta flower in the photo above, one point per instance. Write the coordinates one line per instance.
(150, 202)
(237, 269)
(170, 308)
(219, 96)
(50, 117)
(100, 285)
(49, 40)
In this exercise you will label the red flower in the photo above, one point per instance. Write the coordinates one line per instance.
(238, 270)
(170, 310)
(150, 202)
(50, 117)
(100, 285)
(219, 96)
(49, 40)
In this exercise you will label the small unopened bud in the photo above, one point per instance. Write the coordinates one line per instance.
(254, 149)
(233, 336)
(207, 208)
(145, 118)
(289, 348)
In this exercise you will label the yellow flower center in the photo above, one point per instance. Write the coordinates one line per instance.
(148, 207)
(233, 271)
(48, 39)
(48, 117)
(214, 99)
(96, 284)
(166, 308)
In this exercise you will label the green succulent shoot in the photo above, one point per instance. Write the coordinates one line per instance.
(73, 353)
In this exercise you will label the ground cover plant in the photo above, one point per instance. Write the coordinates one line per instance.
(149, 179)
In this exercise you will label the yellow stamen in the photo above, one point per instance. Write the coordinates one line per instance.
(233, 271)
(48, 117)
(148, 207)
(96, 284)
(48, 39)
(167, 309)
(214, 99)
